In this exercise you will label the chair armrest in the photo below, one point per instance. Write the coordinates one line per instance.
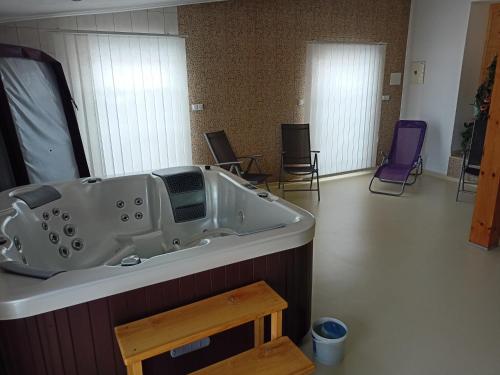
(228, 163)
(249, 156)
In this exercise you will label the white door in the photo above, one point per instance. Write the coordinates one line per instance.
(343, 103)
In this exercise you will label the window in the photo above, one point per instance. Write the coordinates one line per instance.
(132, 98)
(344, 102)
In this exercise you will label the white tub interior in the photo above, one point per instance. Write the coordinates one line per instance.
(102, 222)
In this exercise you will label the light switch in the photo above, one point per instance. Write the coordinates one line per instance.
(395, 79)
(417, 72)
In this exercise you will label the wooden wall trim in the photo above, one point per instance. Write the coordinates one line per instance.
(485, 229)
(492, 42)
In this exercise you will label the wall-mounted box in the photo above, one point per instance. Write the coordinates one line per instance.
(395, 79)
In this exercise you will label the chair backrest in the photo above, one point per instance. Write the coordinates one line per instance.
(475, 151)
(407, 142)
(220, 147)
(296, 144)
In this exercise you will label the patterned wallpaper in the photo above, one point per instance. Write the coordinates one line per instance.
(247, 58)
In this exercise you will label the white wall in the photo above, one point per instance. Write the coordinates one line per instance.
(471, 68)
(437, 36)
(36, 33)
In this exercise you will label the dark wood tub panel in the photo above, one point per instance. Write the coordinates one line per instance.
(80, 339)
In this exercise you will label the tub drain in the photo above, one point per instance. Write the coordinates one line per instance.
(131, 260)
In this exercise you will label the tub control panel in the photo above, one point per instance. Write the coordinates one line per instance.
(187, 194)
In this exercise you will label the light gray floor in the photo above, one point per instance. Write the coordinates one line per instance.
(399, 272)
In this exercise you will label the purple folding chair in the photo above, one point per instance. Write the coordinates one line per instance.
(404, 159)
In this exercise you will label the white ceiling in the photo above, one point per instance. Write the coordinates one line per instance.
(16, 10)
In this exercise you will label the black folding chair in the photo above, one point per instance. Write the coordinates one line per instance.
(472, 157)
(226, 158)
(296, 156)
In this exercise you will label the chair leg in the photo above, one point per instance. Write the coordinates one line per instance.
(461, 180)
(460, 184)
(384, 193)
(317, 182)
(267, 186)
(279, 178)
(311, 182)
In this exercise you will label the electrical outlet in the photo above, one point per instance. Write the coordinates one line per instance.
(196, 107)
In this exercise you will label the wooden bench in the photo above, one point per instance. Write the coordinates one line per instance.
(163, 332)
(277, 357)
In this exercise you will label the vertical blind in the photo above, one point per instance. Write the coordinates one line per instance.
(343, 102)
(132, 98)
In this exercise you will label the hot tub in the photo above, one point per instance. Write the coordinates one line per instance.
(78, 258)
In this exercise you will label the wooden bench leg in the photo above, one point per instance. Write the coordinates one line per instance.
(276, 325)
(258, 332)
(134, 369)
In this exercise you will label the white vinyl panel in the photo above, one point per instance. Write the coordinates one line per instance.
(61, 55)
(156, 21)
(311, 105)
(344, 103)
(334, 120)
(140, 105)
(88, 113)
(28, 23)
(373, 100)
(108, 75)
(47, 42)
(354, 134)
(140, 21)
(105, 22)
(122, 81)
(131, 107)
(48, 23)
(98, 74)
(149, 82)
(364, 112)
(28, 37)
(167, 87)
(158, 98)
(67, 23)
(178, 81)
(123, 21)
(171, 22)
(74, 64)
(377, 102)
(180, 100)
(86, 22)
(8, 35)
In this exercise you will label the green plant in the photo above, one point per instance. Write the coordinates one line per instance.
(483, 96)
(481, 103)
(466, 134)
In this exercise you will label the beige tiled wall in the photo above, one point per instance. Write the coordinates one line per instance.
(246, 63)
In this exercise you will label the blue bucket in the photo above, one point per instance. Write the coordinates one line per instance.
(329, 335)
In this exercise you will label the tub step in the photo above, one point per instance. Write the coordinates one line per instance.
(276, 357)
(163, 332)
